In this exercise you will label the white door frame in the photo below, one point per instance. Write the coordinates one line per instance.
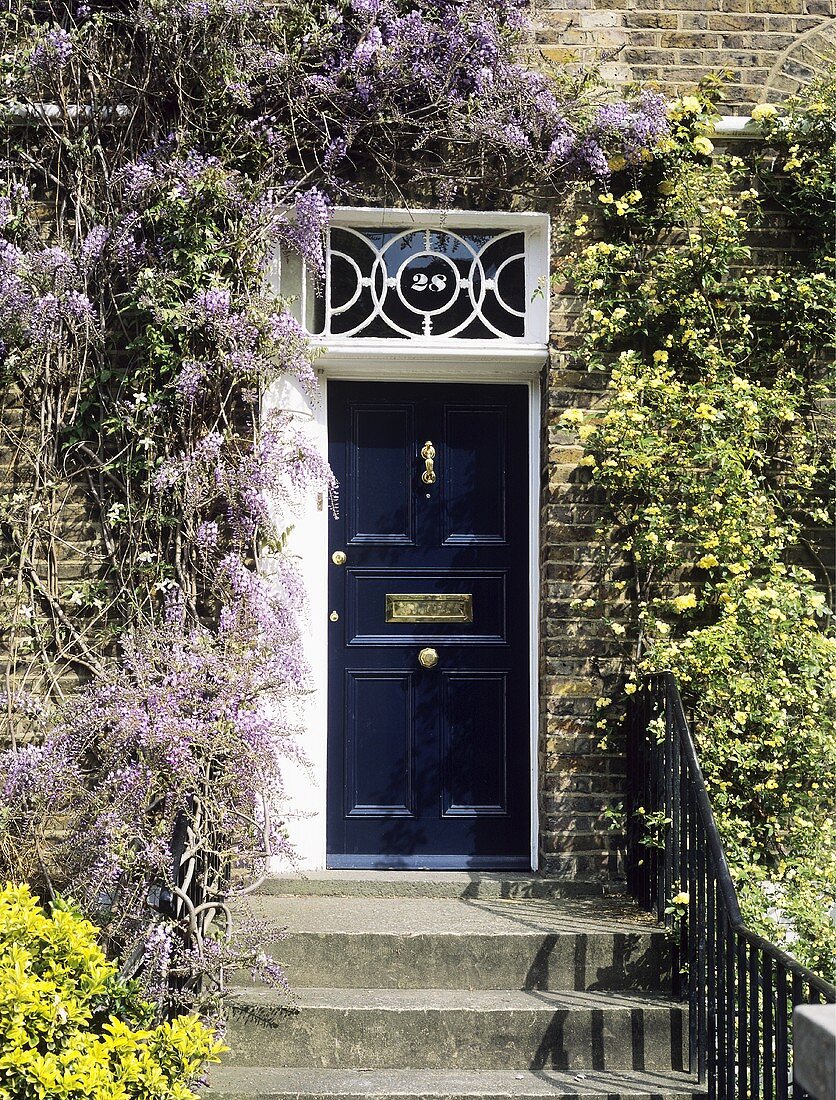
(306, 788)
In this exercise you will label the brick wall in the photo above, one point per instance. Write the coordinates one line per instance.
(770, 47)
(579, 654)
(64, 543)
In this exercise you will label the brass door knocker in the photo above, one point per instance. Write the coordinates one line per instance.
(428, 455)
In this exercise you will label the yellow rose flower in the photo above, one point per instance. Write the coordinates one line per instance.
(708, 561)
(684, 603)
(764, 110)
(703, 145)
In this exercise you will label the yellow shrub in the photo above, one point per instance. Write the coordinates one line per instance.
(70, 1028)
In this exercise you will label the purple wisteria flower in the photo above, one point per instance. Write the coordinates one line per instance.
(43, 302)
(191, 378)
(126, 239)
(207, 536)
(631, 128)
(94, 245)
(54, 51)
(212, 307)
(305, 231)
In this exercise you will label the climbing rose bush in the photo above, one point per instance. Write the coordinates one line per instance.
(710, 449)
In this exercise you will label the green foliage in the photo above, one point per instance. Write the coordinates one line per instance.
(71, 1029)
(801, 133)
(709, 450)
(763, 679)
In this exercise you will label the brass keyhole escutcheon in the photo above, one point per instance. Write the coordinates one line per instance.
(428, 658)
(338, 557)
(428, 455)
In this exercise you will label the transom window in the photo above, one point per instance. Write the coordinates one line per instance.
(419, 278)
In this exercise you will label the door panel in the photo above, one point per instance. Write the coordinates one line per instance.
(381, 474)
(474, 746)
(366, 592)
(379, 755)
(429, 766)
(473, 508)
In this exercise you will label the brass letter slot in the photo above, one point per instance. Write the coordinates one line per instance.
(429, 607)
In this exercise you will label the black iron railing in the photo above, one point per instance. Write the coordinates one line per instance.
(741, 989)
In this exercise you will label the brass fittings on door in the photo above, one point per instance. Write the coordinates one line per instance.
(428, 455)
(428, 658)
(338, 557)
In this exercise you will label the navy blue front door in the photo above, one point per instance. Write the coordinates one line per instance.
(428, 743)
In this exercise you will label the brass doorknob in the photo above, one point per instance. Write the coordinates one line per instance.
(338, 557)
(428, 658)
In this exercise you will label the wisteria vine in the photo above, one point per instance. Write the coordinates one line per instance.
(155, 154)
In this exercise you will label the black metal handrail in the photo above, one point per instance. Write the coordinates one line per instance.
(740, 988)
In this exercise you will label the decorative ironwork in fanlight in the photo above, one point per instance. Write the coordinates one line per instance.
(427, 282)
(463, 281)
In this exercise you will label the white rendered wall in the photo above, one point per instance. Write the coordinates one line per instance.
(308, 543)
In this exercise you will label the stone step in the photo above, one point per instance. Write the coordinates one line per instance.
(431, 884)
(457, 1029)
(231, 1083)
(452, 943)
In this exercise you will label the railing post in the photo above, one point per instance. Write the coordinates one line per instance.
(712, 1008)
(782, 1054)
(742, 1020)
(698, 986)
(754, 1023)
(797, 999)
(768, 1031)
(668, 830)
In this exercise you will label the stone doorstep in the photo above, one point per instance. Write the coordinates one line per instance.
(519, 943)
(431, 884)
(461, 916)
(443, 1029)
(228, 1083)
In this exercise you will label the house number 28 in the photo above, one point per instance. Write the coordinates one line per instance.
(437, 283)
